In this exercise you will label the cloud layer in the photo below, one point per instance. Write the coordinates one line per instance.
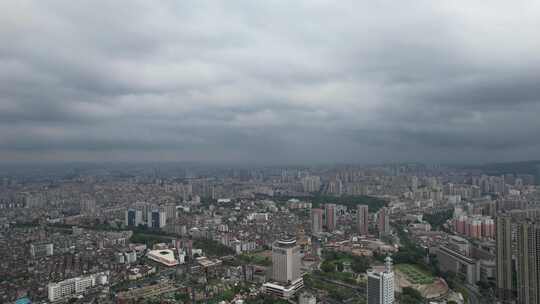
(269, 81)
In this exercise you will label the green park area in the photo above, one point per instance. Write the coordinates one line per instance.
(261, 258)
(322, 282)
(415, 274)
(350, 201)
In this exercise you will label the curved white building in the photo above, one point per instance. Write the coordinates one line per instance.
(163, 256)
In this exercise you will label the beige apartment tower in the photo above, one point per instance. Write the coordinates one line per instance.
(362, 217)
(528, 266)
(504, 257)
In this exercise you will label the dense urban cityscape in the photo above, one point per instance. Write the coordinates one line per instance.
(407, 233)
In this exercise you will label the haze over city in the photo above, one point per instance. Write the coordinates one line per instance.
(269, 81)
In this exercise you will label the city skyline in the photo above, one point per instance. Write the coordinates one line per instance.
(254, 235)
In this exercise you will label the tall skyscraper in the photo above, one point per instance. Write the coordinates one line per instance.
(383, 221)
(286, 274)
(134, 217)
(88, 206)
(504, 262)
(170, 211)
(330, 210)
(156, 219)
(362, 216)
(380, 285)
(285, 260)
(316, 220)
(311, 183)
(528, 266)
(414, 183)
(145, 208)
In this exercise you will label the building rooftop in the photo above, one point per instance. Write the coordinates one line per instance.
(163, 256)
(286, 242)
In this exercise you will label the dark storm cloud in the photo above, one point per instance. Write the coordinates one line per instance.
(309, 81)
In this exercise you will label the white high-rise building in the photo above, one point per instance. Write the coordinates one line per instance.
(286, 274)
(285, 261)
(144, 207)
(170, 211)
(133, 218)
(156, 219)
(88, 206)
(316, 220)
(380, 285)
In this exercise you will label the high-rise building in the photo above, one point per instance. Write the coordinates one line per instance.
(504, 262)
(528, 266)
(380, 285)
(414, 183)
(311, 183)
(131, 257)
(88, 206)
(330, 210)
(488, 228)
(316, 220)
(157, 219)
(285, 261)
(170, 211)
(362, 216)
(134, 217)
(475, 226)
(335, 187)
(145, 208)
(286, 274)
(383, 222)
(34, 200)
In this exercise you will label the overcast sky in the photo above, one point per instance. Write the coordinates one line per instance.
(270, 81)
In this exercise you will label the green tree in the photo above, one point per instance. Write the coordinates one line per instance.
(410, 296)
(328, 266)
(360, 264)
(437, 219)
(212, 248)
(339, 266)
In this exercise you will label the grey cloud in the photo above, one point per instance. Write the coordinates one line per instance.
(310, 81)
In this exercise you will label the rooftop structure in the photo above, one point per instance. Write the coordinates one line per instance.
(164, 256)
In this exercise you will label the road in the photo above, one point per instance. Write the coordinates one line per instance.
(474, 296)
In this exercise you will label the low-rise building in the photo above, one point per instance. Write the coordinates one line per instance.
(75, 286)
